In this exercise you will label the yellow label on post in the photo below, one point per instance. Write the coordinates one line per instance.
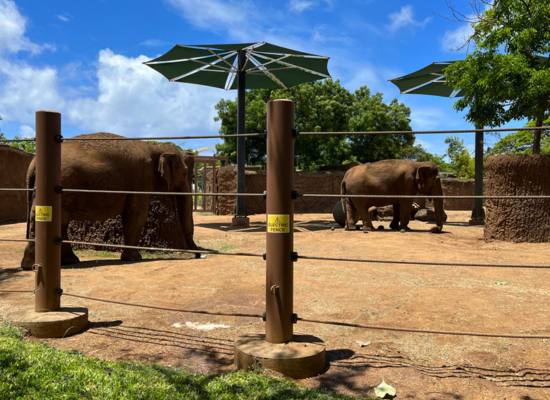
(278, 223)
(43, 213)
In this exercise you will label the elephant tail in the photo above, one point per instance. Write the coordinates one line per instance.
(31, 176)
(343, 191)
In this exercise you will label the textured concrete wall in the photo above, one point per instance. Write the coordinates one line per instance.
(13, 172)
(325, 182)
(518, 220)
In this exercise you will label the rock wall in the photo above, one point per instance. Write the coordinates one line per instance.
(518, 220)
(325, 182)
(13, 172)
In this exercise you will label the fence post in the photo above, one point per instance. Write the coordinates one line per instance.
(48, 211)
(280, 221)
(296, 355)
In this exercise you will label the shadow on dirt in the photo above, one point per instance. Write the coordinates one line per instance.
(112, 262)
(219, 351)
(9, 273)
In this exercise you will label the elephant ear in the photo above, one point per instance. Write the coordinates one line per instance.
(422, 174)
(172, 170)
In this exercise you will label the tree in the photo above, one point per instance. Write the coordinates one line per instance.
(29, 147)
(321, 107)
(505, 78)
(419, 153)
(520, 142)
(462, 163)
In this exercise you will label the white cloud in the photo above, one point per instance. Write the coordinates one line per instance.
(154, 43)
(234, 17)
(454, 40)
(12, 30)
(25, 89)
(299, 6)
(404, 18)
(26, 131)
(135, 100)
(65, 17)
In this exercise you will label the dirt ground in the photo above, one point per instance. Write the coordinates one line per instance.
(495, 301)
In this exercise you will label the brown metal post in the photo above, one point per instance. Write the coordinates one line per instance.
(196, 185)
(280, 221)
(48, 212)
(214, 189)
(204, 186)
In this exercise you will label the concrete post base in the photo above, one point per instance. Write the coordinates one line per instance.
(66, 321)
(477, 222)
(301, 358)
(241, 222)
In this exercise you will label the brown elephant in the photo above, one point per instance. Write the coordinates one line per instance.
(391, 177)
(125, 165)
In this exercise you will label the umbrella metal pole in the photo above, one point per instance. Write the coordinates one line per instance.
(280, 221)
(48, 212)
(478, 214)
(240, 212)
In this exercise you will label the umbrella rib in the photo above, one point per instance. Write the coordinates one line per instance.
(266, 71)
(217, 55)
(424, 84)
(249, 54)
(203, 68)
(270, 62)
(232, 75)
(298, 67)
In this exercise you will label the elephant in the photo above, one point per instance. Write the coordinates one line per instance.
(117, 165)
(390, 177)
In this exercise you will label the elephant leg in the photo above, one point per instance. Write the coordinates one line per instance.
(29, 255)
(351, 213)
(404, 215)
(365, 216)
(394, 224)
(134, 218)
(67, 254)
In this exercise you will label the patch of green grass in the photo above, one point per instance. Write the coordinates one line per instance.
(206, 213)
(39, 371)
(227, 247)
(93, 253)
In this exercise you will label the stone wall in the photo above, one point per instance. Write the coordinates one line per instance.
(518, 220)
(324, 182)
(13, 172)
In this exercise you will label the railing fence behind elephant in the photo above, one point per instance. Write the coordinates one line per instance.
(53, 244)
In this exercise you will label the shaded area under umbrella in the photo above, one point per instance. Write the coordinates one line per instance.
(240, 66)
(430, 81)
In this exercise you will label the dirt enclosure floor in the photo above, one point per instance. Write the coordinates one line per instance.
(495, 301)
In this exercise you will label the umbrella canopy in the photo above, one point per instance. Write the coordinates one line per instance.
(266, 66)
(428, 80)
(240, 66)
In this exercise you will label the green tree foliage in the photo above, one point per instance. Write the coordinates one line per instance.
(418, 153)
(520, 142)
(321, 107)
(462, 162)
(504, 78)
(29, 147)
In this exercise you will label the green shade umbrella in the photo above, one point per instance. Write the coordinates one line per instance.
(240, 66)
(428, 80)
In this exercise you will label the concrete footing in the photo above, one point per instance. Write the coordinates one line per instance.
(303, 357)
(477, 222)
(241, 222)
(64, 322)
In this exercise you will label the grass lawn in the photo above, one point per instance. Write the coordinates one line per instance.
(39, 371)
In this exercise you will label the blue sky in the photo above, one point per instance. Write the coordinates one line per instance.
(84, 58)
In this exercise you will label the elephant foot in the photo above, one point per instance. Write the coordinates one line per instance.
(368, 228)
(130, 255)
(405, 229)
(69, 258)
(436, 229)
(394, 227)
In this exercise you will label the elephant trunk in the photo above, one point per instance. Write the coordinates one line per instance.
(438, 206)
(185, 215)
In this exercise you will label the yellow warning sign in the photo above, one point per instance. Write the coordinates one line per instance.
(278, 223)
(43, 213)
